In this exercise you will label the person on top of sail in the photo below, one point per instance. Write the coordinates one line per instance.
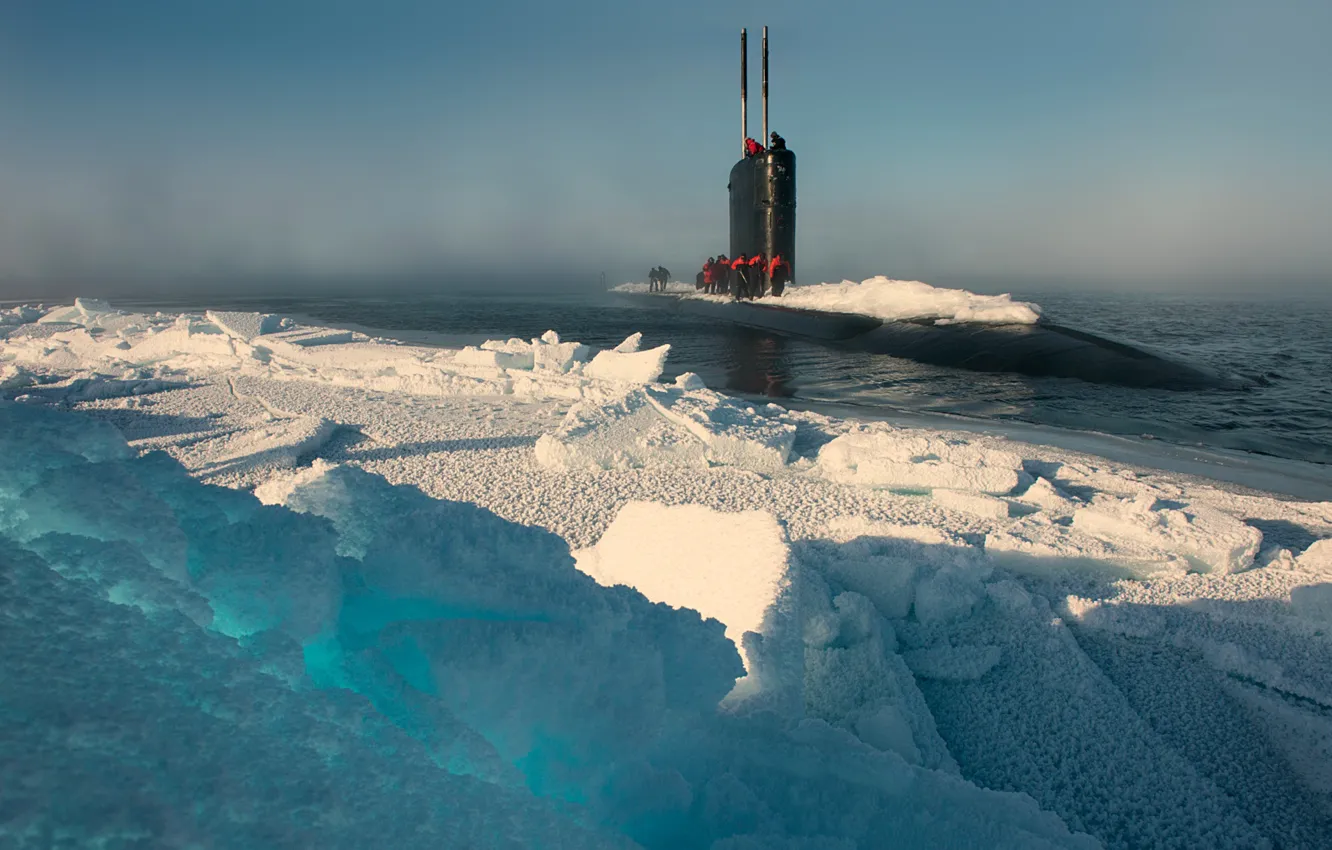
(776, 142)
(752, 148)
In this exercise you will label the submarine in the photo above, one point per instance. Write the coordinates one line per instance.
(762, 215)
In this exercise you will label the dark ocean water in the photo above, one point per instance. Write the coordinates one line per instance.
(1284, 346)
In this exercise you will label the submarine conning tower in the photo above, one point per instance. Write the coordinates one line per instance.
(762, 187)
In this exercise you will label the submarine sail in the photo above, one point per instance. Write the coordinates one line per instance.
(762, 187)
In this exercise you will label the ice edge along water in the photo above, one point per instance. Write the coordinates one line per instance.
(861, 646)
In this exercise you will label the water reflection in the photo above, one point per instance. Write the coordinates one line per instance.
(758, 364)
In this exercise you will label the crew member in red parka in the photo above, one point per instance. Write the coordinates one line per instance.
(779, 273)
(756, 269)
(710, 275)
(752, 148)
(720, 273)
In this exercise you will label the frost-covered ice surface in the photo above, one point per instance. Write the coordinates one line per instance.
(899, 300)
(774, 629)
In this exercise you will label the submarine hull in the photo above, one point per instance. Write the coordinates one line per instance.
(1038, 350)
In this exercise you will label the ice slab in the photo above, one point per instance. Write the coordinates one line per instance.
(733, 567)
(734, 432)
(977, 504)
(1210, 537)
(657, 425)
(903, 459)
(633, 367)
(1317, 558)
(244, 326)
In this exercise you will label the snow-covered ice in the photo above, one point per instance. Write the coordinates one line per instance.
(884, 298)
(503, 596)
(891, 300)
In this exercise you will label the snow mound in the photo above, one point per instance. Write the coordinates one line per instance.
(908, 459)
(20, 315)
(957, 663)
(903, 300)
(1204, 534)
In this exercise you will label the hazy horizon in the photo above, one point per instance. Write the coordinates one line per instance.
(168, 146)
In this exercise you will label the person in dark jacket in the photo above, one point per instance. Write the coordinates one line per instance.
(740, 277)
(779, 274)
(776, 142)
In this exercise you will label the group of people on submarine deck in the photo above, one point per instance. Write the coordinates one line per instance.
(744, 277)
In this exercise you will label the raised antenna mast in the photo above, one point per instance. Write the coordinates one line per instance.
(765, 85)
(744, 93)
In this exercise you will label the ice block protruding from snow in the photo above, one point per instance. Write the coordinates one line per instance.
(624, 433)
(631, 343)
(735, 433)
(902, 459)
(636, 367)
(1221, 542)
(979, 504)
(666, 426)
(1317, 558)
(689, 381)
(551, 355)
(244, 326)
(732, 567)
(1051, 498)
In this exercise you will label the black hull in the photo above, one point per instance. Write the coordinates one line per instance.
(1039, 350)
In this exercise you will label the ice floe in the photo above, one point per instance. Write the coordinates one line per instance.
(774, 629)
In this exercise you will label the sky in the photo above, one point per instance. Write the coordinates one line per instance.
(1141, 144)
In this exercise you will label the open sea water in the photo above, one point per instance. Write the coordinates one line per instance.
(1284, 347)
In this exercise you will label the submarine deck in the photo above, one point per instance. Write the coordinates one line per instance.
(1043, 349)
